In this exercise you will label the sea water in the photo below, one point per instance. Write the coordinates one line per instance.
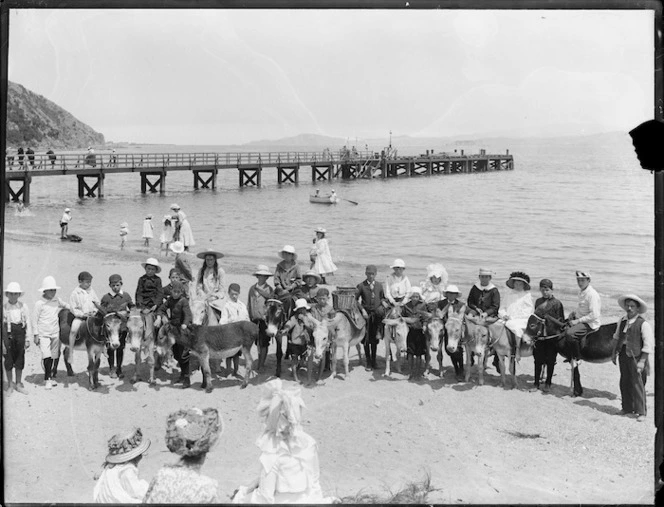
(576, 203)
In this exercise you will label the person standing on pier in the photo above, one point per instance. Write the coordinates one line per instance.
(20, 156)
(64, 223)
(183, 230)
(31, 156)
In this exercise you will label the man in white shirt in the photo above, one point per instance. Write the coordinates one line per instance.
(635, 342)
(586, 317)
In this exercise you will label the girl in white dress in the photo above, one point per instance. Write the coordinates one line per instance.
(148, 230)
(433, 288)
(517, 306)
(289, 467)
(119, 481)
(320, 255)
(210, 285)
(166, 233)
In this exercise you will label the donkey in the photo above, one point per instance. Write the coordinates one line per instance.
(438, 334)
(142, 343)
(276, 315)
(396, 331)
(95, 335)
(347, 329)
(503, 343)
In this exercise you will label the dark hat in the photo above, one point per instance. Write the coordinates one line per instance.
(113, 279)
(545, 282)
(84, 275)
(518, 275)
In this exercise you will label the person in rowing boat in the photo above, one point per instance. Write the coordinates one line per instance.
(551, 310)
(586, 317)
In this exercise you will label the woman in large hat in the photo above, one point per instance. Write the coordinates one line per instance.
(289, 467)
(191, 434)
(183, 230)
(517, 306)
(321, 256)
(119, 481)
(635, 342)
(210, 284)
(397, 284)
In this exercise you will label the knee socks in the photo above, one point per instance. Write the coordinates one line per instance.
(48, 363)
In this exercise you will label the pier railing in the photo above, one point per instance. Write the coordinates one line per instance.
(40, 162)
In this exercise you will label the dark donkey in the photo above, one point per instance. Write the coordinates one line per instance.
(90, 338)
(596, 347)
(276, 315)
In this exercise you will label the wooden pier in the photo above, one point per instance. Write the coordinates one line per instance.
(92, 169)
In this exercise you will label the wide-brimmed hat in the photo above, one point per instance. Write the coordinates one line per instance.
(518, 275)
(398, 263)
(14, 288)
(193, 432)
(48, 284)
(415, 290)
(287, 249)
(175, 206)
(583, 274)
(262, 270)
(177, 247)
(321, 230)
(452, 289)
(152, 262)
(217, 255)
(125, 447)
(301, 303)
(643, 307)
(67, 210)
(311, 272)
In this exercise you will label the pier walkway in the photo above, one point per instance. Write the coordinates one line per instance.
(91, 169)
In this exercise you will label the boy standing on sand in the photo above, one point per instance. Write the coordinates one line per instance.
(180, 316)
(46, 327)
(258, 295)
(83, 303)
(15, 327)
(370, 294)
(234, 310)
(119, 302)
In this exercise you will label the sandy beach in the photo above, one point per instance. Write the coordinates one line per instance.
(479, 444)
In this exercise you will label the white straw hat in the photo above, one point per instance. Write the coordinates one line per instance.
(398, 263)
(643, 307)
(301, 303)
(321, 230)
(262, 270)
(452, 289)
(48, 284)
(14, 288)
(287, 249)
(152, 262)
(175, 206)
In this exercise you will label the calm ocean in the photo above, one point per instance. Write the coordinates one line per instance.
(581, 203)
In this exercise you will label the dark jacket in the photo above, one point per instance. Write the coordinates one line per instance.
(179, 310)
(371, 299)
(486, 300)
(550, 309)
(149, 292)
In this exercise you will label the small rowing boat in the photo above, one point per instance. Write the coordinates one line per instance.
(324, 199)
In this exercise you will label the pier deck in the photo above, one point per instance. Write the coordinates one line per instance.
(91, 169)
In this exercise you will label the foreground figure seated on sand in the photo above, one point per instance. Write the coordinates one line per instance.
(289, 470)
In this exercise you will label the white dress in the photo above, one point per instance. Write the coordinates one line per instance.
(120, 484)
(518, 306)
(148, 229)
(323, 263)
(289, 474)
(186, 235)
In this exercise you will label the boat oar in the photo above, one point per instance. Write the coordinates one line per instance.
(352, 202)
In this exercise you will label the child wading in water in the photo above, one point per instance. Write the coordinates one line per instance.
(166, 233)
(46, 328)
(15, 327)
(124, 230)
(119, 481)
(148, 230)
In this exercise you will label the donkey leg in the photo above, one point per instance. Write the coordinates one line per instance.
(480, 367)
(248, 362)
(439, 357)
(70, 370)
(515, 381)
(91, 367)
(151, 366)
(207, 374)
(137, 362)
(310, 366)
(578, 388)
(468, 354)
(388, 352)
(279, 356)
(96, 372)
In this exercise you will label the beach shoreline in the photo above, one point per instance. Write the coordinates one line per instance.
(374, 433)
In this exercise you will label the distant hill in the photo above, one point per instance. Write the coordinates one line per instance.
(36, 122)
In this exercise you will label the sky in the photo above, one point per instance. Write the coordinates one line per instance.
(234, 76)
